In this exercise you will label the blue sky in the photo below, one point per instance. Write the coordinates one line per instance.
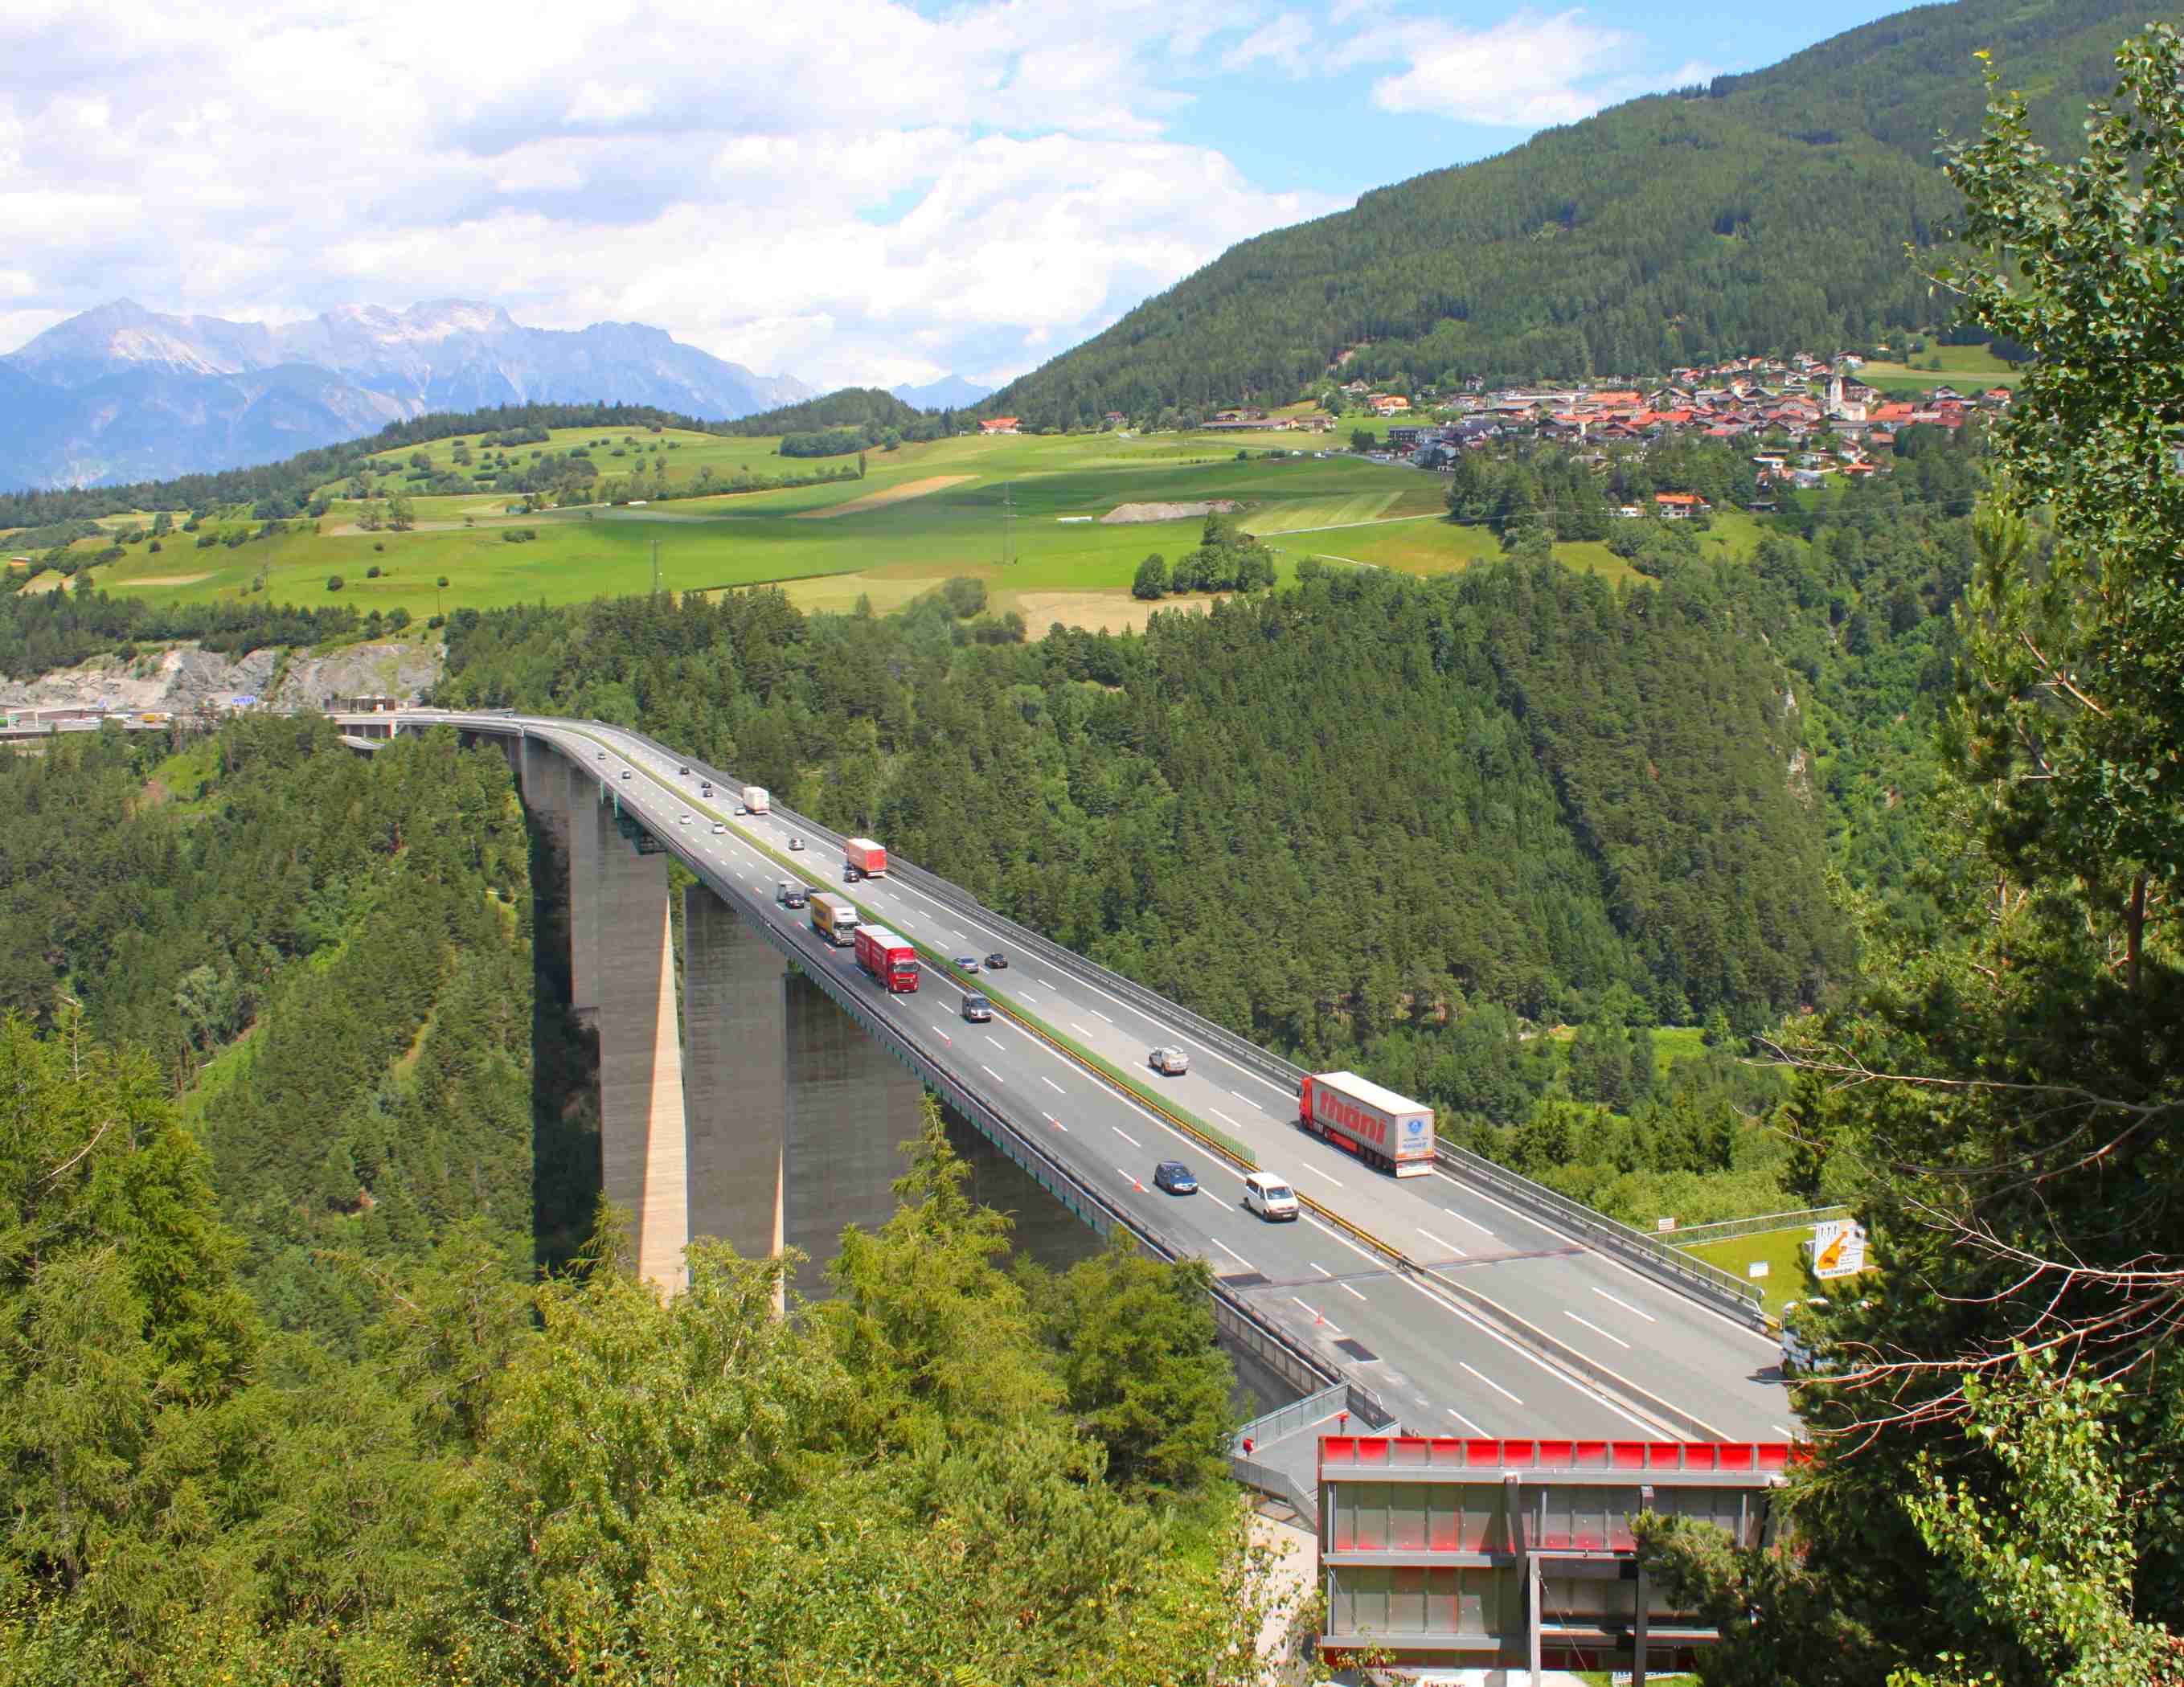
(876, 191)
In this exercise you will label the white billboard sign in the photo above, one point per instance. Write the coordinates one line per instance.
(1838, 1248)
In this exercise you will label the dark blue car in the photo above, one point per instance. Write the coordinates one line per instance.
(1175, 1176)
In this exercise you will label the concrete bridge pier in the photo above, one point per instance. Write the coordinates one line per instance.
(618, 915)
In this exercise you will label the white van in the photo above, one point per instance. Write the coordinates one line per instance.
(1270, 1197)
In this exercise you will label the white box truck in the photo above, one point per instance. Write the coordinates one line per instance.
(1376, 1125)
(757, 800)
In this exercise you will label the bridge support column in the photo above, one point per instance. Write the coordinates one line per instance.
(735, 1081)
(643, 1149)
(851, 1107)
(542, 775)
(586, 826)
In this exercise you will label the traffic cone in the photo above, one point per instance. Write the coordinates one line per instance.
(1318, 1318)
(1138, 1186)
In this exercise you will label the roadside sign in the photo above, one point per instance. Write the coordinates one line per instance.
(1758, 1268)
(1838, 1248)
(241, 702)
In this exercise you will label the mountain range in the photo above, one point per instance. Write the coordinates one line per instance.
(949, 393)
(1768, 211)
(122, 393)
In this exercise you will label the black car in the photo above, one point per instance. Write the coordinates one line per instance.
(849, 873)
(1175, 1176)
(977, 1009)
(996, 961)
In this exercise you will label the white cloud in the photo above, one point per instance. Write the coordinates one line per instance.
(888, 190)
(885, 190)
(1524, 72)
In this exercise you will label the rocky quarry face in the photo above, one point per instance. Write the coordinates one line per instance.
(185, 678)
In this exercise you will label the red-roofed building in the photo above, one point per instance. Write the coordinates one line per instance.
(1679, 506)
(999, 425)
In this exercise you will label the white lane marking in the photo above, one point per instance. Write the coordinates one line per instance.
(995, 1041)
(943, 1036)
(1052, 1085)
(1464, 1420)
(1488, 1380)
(1324, 1271)
(991, 1073)
(1786, 1434)
(1438, 1242)
(1243, 1098)
(1316, 1172)
(1028, 995)
(1626, 1306)
(1473, 1222)
(1124, 1134)
(1096, 1014)
(1318, 1317)
(1048, 984)
(1218, 1114)
(1596, 1329)
(1130, 1178)
(1079, 1029)
(1233, 1254)
(1056, 1123)
(1215, 1198)
(1652, 1431)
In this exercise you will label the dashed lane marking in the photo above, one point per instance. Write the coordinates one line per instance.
(1489, 1381)
(1056, 1123)
(1052, 1085)
(1464, 1420)
(1438, 1242)
(1626, 1306)
(1233, 1254)
(1316, 1172)
(1124, 1134)
(991, 1073)
(1596, 1329)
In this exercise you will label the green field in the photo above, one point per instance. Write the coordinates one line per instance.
(1785, 1277)
(920, 514)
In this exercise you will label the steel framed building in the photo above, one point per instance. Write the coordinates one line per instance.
(1512, 1555)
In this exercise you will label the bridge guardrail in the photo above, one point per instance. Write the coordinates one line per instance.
(1656, 1258)
(1719, 1290)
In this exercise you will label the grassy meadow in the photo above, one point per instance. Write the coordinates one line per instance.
(920, 514)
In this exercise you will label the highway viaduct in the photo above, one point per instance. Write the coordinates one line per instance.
(742, 1106)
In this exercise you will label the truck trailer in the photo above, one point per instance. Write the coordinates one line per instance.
(866, 857)
(888, 958)
(758, 799)
(833, 918)
(1379, 1126)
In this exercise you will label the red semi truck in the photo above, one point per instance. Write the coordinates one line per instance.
(1376, 1125)
(888, 958)
(866, 857)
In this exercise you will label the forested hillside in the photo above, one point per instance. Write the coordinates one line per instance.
(1768, 211)
(328, 957)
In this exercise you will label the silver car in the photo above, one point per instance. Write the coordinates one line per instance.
(1172, 1062)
